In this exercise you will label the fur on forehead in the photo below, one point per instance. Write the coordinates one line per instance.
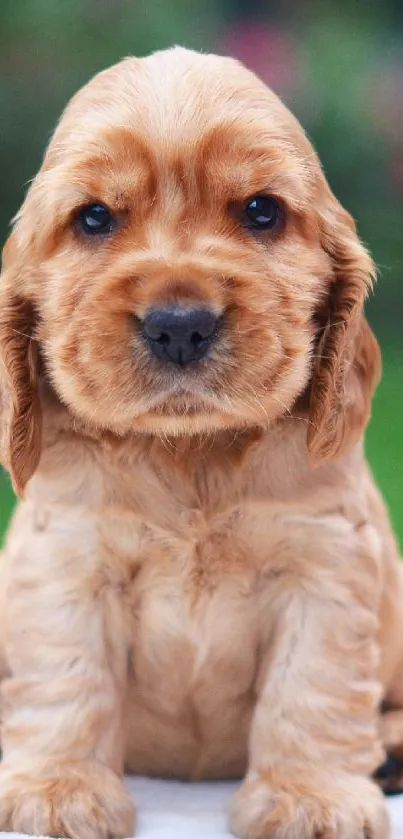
(172, 97)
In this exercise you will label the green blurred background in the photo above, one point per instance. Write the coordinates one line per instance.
(338, 64)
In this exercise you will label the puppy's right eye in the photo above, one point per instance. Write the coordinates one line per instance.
(95, 219)
(261, 212)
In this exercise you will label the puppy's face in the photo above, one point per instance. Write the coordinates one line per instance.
(179, 252)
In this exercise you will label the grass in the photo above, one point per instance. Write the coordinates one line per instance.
(383, 443)
(384, 439)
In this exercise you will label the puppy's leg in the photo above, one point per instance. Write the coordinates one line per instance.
(314, 738)
(62, 705)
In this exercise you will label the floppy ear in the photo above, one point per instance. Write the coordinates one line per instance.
(347, 358)
(20, 412)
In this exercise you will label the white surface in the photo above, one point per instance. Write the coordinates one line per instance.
(171, 810)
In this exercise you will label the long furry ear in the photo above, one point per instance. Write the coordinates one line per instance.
(20, 412)
(347, 357)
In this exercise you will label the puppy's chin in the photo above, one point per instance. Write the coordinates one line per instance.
(183, 417)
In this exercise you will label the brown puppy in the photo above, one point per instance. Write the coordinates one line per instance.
(201, 580)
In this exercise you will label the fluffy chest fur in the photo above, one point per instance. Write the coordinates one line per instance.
(194, 655)
(195, 570)
(198, 559)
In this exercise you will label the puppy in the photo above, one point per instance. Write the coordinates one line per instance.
(201, 580)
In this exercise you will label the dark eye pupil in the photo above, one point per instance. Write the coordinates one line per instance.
(95, 219)
(262, 211)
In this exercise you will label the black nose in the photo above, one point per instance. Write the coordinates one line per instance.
(178, 334)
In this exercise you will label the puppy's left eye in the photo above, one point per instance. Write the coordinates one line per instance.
(261, 212)
(95, 218)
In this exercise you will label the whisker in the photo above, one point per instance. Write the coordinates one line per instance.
(232, 440)
(167, 444)
(259, 403)
(283, 405)
(330, 325)
(24, 335)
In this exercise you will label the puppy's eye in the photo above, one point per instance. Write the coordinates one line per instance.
(261, 212)
(95, 218)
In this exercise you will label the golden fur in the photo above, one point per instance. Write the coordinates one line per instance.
(200, 580)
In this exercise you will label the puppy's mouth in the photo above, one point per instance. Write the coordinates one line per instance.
(192, 407)
(183, 398)
(180, 415)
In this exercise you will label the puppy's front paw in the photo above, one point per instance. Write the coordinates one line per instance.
(82, 802)
(345, 807)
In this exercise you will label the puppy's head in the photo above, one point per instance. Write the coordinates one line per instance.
(180, 266)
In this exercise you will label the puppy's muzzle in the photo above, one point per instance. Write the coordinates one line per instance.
(179, 334)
